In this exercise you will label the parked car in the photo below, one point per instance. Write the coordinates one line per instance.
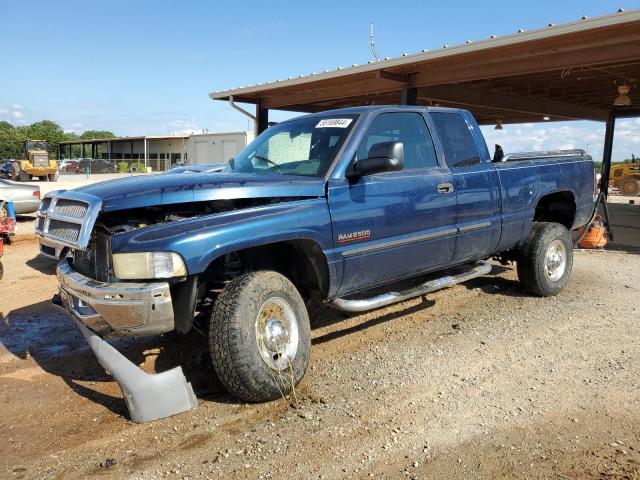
(5, 168)
(97, 165)
(25, 198)
(69, 166)
(335, 207)
(206, 168)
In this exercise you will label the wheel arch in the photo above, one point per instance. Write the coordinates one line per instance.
(557, 207)
(301, 260)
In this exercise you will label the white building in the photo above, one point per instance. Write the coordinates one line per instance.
(160, 152)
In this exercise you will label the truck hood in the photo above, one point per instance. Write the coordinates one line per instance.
(144, 191)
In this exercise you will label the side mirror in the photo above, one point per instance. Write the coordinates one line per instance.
(498, 154)
(383, 157)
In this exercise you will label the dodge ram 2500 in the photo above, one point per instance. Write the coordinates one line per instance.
(336, 207)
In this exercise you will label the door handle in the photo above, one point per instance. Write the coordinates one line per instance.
(445, 188)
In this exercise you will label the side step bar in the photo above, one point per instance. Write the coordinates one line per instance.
(364, 304)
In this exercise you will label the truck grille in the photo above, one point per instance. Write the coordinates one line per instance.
(64, 230)
(71, 208)
(67, 218)
(44, 204)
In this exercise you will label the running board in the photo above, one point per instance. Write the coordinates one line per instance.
(364, 304)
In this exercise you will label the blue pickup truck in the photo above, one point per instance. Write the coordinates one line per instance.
(341, 207)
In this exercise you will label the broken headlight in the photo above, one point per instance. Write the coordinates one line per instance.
(145, 265)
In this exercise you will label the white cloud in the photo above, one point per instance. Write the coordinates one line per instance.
(182, 127)
(15, 106)
(566, 135)
(16, 114)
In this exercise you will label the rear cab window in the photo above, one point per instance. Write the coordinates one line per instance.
(458, 144)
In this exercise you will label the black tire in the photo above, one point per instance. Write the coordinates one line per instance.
(53, 177)
(630, 187)
(1, 270)
(538, 271)
(24, 176)
(237, 348)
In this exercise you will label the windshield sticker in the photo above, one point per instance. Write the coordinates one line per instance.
(334, 123)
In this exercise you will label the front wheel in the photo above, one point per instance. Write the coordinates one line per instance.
(53, 177)
(259, 336)
(630, 188)
(546, 259)
(24, 176)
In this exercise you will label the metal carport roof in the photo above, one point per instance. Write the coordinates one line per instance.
(568, 71)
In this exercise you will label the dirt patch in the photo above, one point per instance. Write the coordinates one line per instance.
(476, 381)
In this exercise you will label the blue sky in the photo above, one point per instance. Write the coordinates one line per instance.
(146, 67)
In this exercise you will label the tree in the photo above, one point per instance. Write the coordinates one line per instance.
(46, 130)
(11, 141)
(93, 134)
(12, 138)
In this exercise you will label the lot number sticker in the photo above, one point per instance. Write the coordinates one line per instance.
(334, 123)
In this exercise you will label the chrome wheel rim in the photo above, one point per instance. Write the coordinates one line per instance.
(277, 333)
(555, 262)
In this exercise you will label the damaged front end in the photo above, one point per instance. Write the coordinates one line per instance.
(99, 307)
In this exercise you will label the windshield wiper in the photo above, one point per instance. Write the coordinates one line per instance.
(266, 160)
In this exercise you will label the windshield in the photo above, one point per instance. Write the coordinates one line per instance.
(306, 147)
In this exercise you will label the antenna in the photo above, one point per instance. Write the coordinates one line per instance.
(372, 44)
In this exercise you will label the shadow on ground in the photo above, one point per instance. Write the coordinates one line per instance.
(48, 336)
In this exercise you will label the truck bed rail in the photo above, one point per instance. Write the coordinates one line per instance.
(543, 154)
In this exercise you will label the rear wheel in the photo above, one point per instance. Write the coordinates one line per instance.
(546, 259)
(24, 176)
(1, 270)
(259, 336)
(630, 187)
(53, 177)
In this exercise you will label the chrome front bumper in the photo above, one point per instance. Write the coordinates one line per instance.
(50, 249)
(121, 309)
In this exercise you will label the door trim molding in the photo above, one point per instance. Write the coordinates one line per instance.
(399, 242)
(474, 226)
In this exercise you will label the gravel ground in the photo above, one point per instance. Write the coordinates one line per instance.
(476, 381)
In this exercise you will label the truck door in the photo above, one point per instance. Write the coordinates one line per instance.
(476, 184)
(393, 224)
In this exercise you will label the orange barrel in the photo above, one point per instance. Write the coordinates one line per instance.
(596, 236)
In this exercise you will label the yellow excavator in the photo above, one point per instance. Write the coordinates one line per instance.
(36, 163)
(626, 177)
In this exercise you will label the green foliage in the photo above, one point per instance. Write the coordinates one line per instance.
(93, 134)
(12, 138)
(126, 167)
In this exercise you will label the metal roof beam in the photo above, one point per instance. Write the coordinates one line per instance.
(525, 62)
(330, 93)
(514, 103)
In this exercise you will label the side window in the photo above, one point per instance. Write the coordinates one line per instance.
(618, 173)
(408, 128)
(459, 147)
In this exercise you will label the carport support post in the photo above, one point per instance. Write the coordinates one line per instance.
(409, 94)
(606, 168)
(606, 154)
(262, 118)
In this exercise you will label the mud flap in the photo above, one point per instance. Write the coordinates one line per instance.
(148, 396)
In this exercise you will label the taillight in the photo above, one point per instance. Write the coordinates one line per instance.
(36, 193)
